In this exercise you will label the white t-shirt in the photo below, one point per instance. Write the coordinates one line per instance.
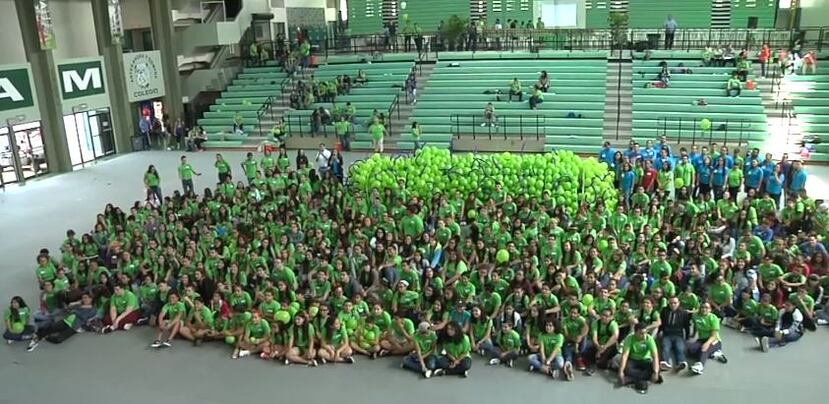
(322, 159)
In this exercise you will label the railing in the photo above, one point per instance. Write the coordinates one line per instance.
(677, 127)
(264, 109)
(286, 86)
(528, 125)
(300, 125)
(584, 39)
(395, 105)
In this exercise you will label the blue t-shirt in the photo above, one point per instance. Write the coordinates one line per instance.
(628, 181)
(754, 177)
(704, 173)
(648, 154)
(798, 181)
(719, 175)
(774, 184)
(606, 154)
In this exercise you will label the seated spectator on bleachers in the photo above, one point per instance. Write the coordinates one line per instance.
(278, 131)
(489, 115)
(707, 55)
(515, 90)
(734, 86)
(411, 88)
(729, 56)
(536, 98)
(544, 81)
(809, 63)
(238, 124)
(361, 77)
(664, 75)
(743, 67)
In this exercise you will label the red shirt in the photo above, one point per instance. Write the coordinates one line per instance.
(649, 179)
(765, 54)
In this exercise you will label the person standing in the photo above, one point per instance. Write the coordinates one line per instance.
(153, 183)
(321, 160)
(185, 174)
(764, 57)
(670, 30)
(222, 167)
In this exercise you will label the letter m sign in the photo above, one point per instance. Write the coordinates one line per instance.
(82, 79)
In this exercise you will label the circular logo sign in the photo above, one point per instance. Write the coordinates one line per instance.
(143, 71)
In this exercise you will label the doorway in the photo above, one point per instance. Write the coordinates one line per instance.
(89, 136)
(32, 155)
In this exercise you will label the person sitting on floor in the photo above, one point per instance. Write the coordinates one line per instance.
(789, 328)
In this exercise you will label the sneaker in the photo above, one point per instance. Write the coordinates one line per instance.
(234, 355)
(313, 363)
(555, 374)
(511, 363)
(642, 387)
(719, 356)
(287, 362)
(33, 344)
(402, 365)
(374, 355)
(821, 321)
(167, 344)
(764, 344)
(438, 372)
(665, 366)
(127, 326)
(580, 366)
(494, 361)
(243, 353)
(8, 341)
(697, 368)
(682, 366)
(156, 344)
(106, 329)
(568, 371)
(142, 321)
(465, 374)
(323, 361)
(383, 352)
(481, 352)
(590, 371)
(350, 360)
(427, 374)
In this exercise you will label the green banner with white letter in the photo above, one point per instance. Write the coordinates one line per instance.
(82, 84)
(17, 95)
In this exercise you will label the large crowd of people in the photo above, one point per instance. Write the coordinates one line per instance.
(293, 265)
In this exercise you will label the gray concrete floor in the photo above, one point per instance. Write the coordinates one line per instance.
(120, 367)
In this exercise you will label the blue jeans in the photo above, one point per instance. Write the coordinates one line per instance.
(571, 351)
(493, 351)
(443, 363)
(673, 347)
(535, 362)
(412, 363)
(787, 338)
(28, 332)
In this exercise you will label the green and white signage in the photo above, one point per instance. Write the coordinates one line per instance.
(144, 74)
(82, 84)
(17, 94)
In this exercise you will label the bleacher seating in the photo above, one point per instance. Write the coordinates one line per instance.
(246, 95)
(659, 110)
(455, 96)
(385, 82)
(810, 97)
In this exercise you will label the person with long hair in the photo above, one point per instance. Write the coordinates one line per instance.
(457, 359)
(335, 346)
(152, 181)
(300, 348)
(17, 319)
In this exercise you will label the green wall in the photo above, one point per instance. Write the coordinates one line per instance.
(521, 10)
(764, 10)
(365, 16)
(653, 13)
(429, 13)
(597, 12)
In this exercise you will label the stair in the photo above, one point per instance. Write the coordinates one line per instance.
(618, 112)
(784, 134)
(403, 124)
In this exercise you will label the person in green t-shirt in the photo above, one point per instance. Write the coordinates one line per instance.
(515, 90)
(366, 339)
(377, 131)
(422, 359)
(169, 321)
(123, 310)
(301, 337)
(548, 360)
(457, 359)
(16, 319)
(152, 182)
(200, 323)
(185, 174)
(735, 180)
(343, 129)
(575, 330)
(255, 339)
(335, 346)
(707, 345)
(397, 340)
(604, 336)
(508, 348)
(250, 167)
(416, 133)
(640, 360)
(734, 87)
(537, 97)
(222, 167)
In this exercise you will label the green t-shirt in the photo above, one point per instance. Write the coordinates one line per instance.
(251, 167)
(573, 327)
(735, 177)
(459, 349)
(172, 310)
(706, 325)
(207, 317)
(127, 301)
(341, 127)
(186, 171)
(551, 343)
(510, 341)
(426, 342)
(603, 331)
(721, 293)
(377, 131)
(222, 167)
(260, 330)
(19, 326)
(768, 313)
(480, 328)
(152, 179)
(640, 350)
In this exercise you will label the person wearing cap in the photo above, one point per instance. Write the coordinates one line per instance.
(789, 328)
(640, 360)
(422, 358)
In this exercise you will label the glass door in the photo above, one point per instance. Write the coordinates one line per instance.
(100, 124)
(31, 150)
(89, 135)
(7, 171)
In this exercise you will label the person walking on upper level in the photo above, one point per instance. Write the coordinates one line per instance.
(670, 30)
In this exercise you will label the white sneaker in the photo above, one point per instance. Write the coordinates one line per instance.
(33, 344)
(167, 343)
(821, 321)
(466, 373)
(428, 373)
(719, 356)
(127, 326)
(244, 353)
(494, 361)
(665, 365)
(156, 344)
(697, 368)
(764, 344)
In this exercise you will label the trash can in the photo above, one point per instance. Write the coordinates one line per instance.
(653, 41)
(138, 143)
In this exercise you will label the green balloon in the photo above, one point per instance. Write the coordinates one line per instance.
(705, 124)
(587, 299)
(230, 340)
(502, 256)
(293, 308)
(472, 214)
(283, 316)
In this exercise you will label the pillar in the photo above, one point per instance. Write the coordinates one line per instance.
(111, 51)
(45, 77)
(164, 40)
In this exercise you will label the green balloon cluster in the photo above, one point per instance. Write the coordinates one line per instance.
(568, 178)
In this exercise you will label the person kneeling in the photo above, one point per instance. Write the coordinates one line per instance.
(640, 360)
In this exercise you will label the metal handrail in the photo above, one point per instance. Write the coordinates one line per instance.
(535, 125)
(395, 105)
(266, 107)
(672, 127)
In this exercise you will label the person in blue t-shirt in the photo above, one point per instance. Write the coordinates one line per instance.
(704, 176)
(719, 175)
(774, 184)
(754, 176)
(607, 153)
(798, 178)
(649, 153)
(663, 145)
(628, 182)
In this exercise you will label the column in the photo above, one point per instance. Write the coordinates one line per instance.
(45, 77)
(122, 120)
(164, 41)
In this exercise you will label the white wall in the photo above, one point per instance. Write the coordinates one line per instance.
(135, 14)
(815, 13)
(74, 29)
(11, 47)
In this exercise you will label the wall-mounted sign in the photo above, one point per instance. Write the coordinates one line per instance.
(45, 25)
(82, 84)
(116, 23)
(17, 94)
(145, 78)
